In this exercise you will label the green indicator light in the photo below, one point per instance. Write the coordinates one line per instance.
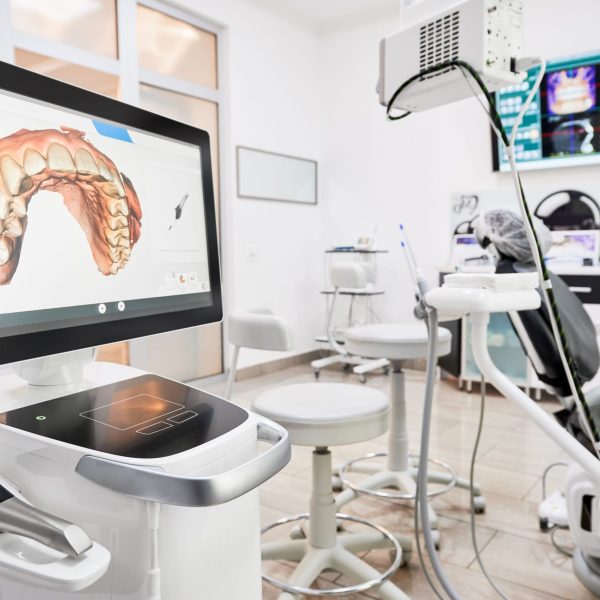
(41, 418)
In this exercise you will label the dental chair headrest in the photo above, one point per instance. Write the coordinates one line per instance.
(506, 231)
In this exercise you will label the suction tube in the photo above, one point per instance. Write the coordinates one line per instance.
(422, 499)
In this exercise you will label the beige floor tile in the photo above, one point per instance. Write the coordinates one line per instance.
(528, 562)
(512, 456)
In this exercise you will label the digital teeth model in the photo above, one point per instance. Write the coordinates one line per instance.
(102, 200)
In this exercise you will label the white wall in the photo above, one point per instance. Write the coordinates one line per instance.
(374, 171)
(272, 250)
(296, 91)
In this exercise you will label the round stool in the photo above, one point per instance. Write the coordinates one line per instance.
(398, 342)
(323, 415)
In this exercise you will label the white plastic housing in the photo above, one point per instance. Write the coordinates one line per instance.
(577, 487)
(486, 34)
(210, 553)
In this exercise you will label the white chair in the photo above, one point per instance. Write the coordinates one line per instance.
(346, 276)
(398, 342)
(321, 415)
(256, 328)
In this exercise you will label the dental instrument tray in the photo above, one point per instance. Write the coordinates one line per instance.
(142, 417)
(503, 282)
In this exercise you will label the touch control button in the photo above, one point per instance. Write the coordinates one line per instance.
(160, 426)
(183, 417)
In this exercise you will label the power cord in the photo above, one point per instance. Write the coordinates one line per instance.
(545, 475)
(561, 549)
(491, 581)
(153, 516)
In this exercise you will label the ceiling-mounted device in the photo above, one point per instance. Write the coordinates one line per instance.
(486, 34)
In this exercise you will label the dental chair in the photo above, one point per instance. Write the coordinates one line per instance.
(534, 331)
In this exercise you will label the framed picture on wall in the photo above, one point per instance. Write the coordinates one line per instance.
(263, 175)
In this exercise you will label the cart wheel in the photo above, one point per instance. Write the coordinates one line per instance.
(362, 378)
(347, 367)
(317, 373)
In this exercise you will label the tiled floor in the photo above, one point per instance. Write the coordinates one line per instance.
(512, 457)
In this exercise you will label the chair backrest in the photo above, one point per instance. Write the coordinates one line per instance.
(534, 329)
(259, 329)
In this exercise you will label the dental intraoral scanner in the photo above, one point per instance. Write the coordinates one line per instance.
(115, 483)
(21, 518)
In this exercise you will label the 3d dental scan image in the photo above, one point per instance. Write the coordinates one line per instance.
(101, 199)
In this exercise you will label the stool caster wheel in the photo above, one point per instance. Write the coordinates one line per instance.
(336, 484)
(436, 536)
(386, 370)
(317, 374)
(362, 378)
(479, 504)
(297, 533)
(544, 524)
(347, 367)
(406, 556)
(407, 549)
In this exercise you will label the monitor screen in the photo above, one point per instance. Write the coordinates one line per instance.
(562, 126)
(107, 224)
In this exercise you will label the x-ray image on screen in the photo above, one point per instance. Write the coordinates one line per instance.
(571, 90)
(571, 118)
(562, 124)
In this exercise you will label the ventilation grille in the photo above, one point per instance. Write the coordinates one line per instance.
(439, 43)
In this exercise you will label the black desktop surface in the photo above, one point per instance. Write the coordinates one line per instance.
(144, 417)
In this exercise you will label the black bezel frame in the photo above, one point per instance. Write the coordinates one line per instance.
(33, 345)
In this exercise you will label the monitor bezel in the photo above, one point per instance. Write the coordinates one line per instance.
(550, 162)
(63, 95)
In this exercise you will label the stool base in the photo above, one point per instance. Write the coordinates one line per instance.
(341, 557)
(382, 480)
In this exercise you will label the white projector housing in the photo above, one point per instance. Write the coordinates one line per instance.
(486, 34)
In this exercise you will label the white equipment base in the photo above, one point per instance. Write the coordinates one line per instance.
(211, 553)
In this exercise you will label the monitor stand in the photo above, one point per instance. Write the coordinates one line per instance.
(58, 369)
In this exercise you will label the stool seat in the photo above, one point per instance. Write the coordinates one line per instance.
(394, 341)
(326, 414)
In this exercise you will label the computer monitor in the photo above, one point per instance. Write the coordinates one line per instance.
(107, 220)
(562, 126)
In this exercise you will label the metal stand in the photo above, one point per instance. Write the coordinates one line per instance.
(325, 549)
(399, 474)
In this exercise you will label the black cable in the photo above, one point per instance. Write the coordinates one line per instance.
(448, 65)
(478, 556)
